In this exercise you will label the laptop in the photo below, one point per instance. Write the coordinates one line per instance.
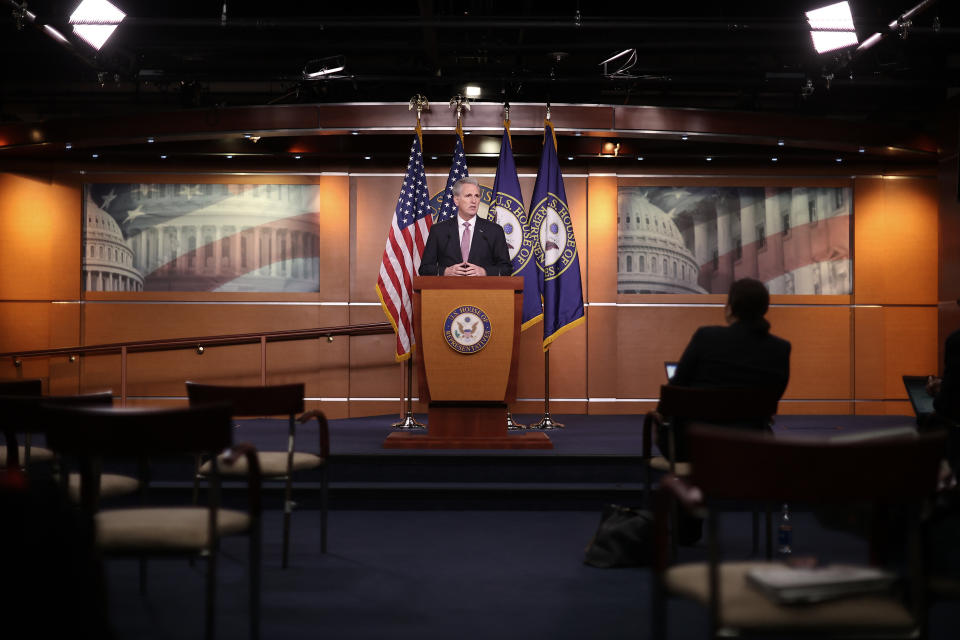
(671, 368)
(920, 400)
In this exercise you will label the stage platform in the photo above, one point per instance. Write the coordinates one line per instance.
(595, 460)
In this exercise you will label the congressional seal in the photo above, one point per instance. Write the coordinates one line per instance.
(467, 329)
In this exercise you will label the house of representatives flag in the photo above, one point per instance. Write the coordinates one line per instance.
(558, 265)
(405, 241)
(458, 169)
(507, 210)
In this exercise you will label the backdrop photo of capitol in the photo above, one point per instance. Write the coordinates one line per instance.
(700, 239)
(201, 237)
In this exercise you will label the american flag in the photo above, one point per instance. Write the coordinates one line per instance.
(401, 257)
(458, 169)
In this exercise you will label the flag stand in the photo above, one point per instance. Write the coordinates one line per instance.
(546, 422)
(409, 422)
(513, 425)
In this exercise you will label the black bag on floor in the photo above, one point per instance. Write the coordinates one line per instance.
(623, 539)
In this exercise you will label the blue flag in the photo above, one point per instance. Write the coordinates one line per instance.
(507, 210)
(458, 169)
(558, 265)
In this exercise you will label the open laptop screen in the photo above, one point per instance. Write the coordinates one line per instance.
(671, 368)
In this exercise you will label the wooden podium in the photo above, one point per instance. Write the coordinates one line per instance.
(468, 335)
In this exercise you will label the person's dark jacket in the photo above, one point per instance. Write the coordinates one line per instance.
(488, 248)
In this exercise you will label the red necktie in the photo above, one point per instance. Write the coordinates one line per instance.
(465, 242)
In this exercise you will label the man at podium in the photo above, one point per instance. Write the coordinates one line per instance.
(466, 245)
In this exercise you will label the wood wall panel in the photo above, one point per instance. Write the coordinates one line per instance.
(820, 350)
(910, 346)
(603, 348)
(602, 239)
(869, 353)
(895, 240)
(333, 220)
(40, 231)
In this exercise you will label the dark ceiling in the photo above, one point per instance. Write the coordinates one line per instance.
(744, 55)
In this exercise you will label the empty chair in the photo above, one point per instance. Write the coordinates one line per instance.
(894, 475)
(682, 407)
(90, 434)
(281, 464)
(24, 411)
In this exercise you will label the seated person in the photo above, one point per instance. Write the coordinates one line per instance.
(742, 354)
(946, 399)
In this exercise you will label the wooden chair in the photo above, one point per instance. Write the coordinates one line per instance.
(89, 434)
(705, 405)
(11, 455)
(24, 412)
(278, 465)
(735, 465)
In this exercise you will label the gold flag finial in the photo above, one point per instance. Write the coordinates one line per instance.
(420, 103)
(459, 103)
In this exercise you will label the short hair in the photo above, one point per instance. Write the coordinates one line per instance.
(462, 181)
(749, 300)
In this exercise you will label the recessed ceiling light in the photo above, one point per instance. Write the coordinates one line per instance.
(296, 157)
(684, 137)
(862, 150)
(229, 157)
(69, 145)
(838, 159)
(163, 157)
(94, 155)
(639, 157)
(709, 158)
(779, 143)
(472, 91)
(354, 133)
(774, 159)
(366, 157)
(433, 157)
(150, 140)
(569, 157)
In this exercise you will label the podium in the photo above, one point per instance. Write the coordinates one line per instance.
(467, 332)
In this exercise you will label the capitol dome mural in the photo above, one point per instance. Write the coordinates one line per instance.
(652, 256)
(108, 263)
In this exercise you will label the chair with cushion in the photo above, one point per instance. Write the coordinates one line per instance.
(887, 476)
(279, 465)
(23, 411)
(739, 407)
(87, 435)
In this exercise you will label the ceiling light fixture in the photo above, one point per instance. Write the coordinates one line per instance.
(472, 91)
(831, 27)
(324, 67)
(95, 21)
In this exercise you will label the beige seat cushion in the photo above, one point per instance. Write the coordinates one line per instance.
(163, 528)
(743, 607)
(111, 485)
(662, 464)
(272, 463)
(37, 454)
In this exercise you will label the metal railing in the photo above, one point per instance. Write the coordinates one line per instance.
(200, 344)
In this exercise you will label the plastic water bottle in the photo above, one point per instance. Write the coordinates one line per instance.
(785, 532)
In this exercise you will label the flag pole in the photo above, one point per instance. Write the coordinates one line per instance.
(409, 422)
(546, 422)
(512, 425)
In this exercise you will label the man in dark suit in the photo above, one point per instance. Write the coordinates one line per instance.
(466, 245)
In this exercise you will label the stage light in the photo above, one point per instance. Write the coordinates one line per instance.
(831, 27)
(472, 91)
(315, 69)
(95, 21)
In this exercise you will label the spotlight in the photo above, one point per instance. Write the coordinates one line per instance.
(831, 27)
(316, 69)
(95, 21)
